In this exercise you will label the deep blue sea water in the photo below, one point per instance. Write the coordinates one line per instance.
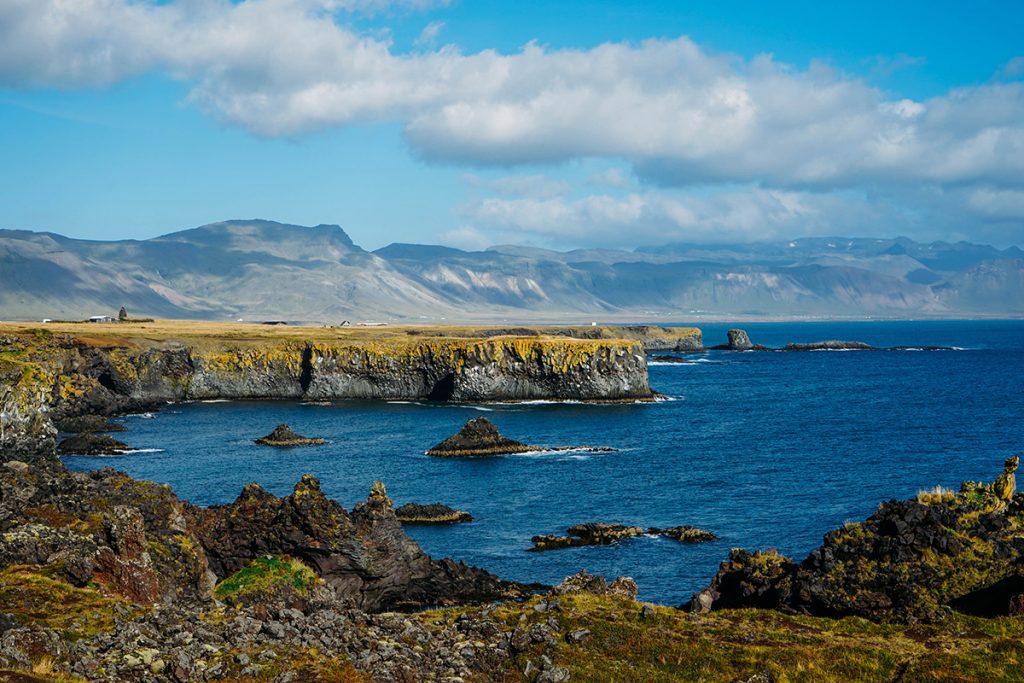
(764, 449)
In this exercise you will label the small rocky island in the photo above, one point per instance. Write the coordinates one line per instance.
(597, 533)
(432, 513)
(284, 437)
(479, 437)
(739, 340)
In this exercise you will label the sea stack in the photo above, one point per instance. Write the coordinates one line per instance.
(738, 340)
(478, 437)
(284, 437)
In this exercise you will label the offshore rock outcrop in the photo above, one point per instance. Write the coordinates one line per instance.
(478, 437)
(284, 437)
(911, 561)
(432, 513)
(599, 533)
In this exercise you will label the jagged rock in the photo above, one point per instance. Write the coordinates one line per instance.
(585, 582)
(910, 561)
(478, 437)
(1005, 484)
(363, 556)
(670, 359)
(685, 534)
(590, 533)
(738, 340)
(88, 423)
(89, 443)
(433, 513)
(284, 437)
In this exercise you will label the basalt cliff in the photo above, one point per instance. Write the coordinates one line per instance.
(109, 369)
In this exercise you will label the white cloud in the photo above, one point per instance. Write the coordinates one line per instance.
(428, 36)
(676, 113)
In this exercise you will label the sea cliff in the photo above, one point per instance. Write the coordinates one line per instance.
(109, 369)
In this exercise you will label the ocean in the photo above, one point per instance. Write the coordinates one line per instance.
(767, 450)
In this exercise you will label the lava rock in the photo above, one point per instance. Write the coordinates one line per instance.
(433, 513)
(684, 534)
(591, 533)
(478, 437)
(284, 437)
(92, 444)
(88, 423)
(831, 345)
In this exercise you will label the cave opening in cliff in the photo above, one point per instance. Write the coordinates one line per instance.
(443, 389)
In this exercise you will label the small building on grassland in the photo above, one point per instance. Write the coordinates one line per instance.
(101, 319)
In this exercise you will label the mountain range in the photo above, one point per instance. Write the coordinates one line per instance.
(257, 269)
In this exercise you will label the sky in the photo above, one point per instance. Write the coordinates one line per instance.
(556, 124)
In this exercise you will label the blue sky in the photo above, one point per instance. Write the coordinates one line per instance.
(621, 124)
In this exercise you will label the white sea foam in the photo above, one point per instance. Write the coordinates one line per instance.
(216, 400)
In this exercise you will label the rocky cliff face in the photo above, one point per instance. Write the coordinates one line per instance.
(911, 561)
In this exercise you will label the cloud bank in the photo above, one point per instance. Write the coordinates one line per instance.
(678, 114)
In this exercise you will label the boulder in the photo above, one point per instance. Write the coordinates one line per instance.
(585, 582)
(284, 437)
(89, 443)
(433, 513)
(478, 437)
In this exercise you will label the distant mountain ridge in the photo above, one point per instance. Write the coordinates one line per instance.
(256, 269)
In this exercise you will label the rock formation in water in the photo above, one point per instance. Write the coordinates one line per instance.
(912, 560)
(284, 437)
(590, 533)
(830, 345)
(88, 443)
(685, 534)
(88, 423)
(478, 437)
(598, 533)
(432, 513)
(738, 340)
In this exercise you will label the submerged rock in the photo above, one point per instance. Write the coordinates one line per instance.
(89, 443)
(284, 437)
(670, 359)
(433, 513)
(478, 437)
(88, 423)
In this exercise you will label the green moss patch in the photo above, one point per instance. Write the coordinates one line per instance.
(32, 597)
(267, 574)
